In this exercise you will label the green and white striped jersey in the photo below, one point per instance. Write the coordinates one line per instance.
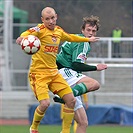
(73, 52)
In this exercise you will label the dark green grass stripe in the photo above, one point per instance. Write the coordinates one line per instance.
(57, 129)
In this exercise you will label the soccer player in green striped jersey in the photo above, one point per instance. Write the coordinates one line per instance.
(71, 62)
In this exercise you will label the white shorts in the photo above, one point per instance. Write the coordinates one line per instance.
(79, 103)
(72, 77)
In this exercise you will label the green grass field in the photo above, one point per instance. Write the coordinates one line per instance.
(57, 129)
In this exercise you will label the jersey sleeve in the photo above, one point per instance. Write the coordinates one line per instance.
(31, 31)
(79, 57)
(73, 38)
(80, 52)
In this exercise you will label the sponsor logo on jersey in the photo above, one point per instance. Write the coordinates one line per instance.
(51, 48)
(82, 57)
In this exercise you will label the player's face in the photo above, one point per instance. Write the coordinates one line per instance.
(89, 30)
(49, 20)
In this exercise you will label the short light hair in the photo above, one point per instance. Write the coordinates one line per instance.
(92, 20)
(48, 10)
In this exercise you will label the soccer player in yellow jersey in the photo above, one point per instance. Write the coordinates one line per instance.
(43, 73)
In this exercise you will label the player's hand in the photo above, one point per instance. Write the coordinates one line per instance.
(93, 39)
(19, 39)
(101, 67)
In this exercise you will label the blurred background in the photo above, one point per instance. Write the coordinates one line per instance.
(16, 97)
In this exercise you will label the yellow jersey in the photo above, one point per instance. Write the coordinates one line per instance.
(45, 58)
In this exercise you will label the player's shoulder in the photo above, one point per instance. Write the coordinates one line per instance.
(41, 26)
(37, 28)
(59, 28)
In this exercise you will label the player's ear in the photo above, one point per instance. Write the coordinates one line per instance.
(82, 31)
(42, 19)
(56, 16)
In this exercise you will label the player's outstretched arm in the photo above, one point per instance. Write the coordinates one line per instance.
(78, 66)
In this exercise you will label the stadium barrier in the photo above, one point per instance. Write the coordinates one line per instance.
(97, 114)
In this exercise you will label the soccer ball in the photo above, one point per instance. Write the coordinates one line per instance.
(30, 44)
